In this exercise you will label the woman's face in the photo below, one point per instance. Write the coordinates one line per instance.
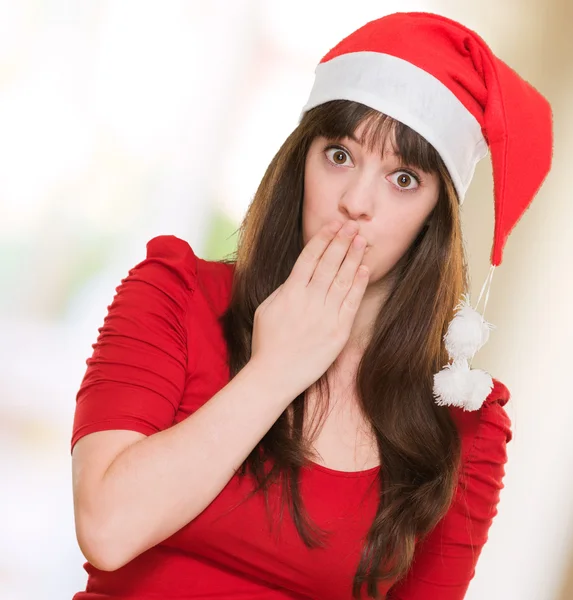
(344, 181)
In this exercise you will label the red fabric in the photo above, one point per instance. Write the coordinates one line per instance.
(159, 355)
(516, 120)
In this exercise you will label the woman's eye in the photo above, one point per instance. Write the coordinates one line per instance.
(338, 156)
(404, 180)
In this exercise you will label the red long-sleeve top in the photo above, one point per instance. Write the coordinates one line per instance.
(160, 355)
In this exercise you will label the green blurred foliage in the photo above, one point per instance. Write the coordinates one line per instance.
(221, 240)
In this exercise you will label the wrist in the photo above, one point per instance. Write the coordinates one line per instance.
(271, 380)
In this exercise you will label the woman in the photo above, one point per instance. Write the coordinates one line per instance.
(275, 427)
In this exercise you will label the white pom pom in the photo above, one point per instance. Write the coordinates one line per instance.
(458, 385)
(467, 332)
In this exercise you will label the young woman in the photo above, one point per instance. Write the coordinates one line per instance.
(275, 427)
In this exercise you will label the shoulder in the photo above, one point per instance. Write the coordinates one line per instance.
(200, 285)
(169, 258)
(488, 429)
(172, 259)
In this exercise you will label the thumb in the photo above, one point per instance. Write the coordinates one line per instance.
(271, 297)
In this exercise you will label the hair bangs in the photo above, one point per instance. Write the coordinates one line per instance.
(380, 133)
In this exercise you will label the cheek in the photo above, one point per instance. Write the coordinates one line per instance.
(319, 203)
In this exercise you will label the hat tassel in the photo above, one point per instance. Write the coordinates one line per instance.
(457, 384)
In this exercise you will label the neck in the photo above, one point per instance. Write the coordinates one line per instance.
(374, 298)
(346, 363)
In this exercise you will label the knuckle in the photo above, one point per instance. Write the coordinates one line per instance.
(351, 302)
(342, 282)
(309, 254)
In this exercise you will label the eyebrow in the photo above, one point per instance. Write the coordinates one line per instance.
(355, 139)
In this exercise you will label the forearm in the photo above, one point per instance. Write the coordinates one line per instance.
(162, 482)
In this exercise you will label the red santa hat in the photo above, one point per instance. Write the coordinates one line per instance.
(443, 81)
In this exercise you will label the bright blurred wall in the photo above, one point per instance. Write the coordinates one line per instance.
(121, 120)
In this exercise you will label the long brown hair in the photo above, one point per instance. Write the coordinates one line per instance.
(417, 440)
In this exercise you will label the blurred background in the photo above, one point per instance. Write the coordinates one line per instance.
(122, 120)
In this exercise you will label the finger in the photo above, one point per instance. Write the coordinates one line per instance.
(352, 301)
(311, 254)
(271, 296)
(275, 293)
(344, 278)
(332, 259)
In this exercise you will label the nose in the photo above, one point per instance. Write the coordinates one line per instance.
(357, 199)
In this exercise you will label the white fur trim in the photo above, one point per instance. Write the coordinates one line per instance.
(411, 95)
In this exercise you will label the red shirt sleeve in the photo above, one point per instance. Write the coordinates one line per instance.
(136, 374)
(444, 563)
